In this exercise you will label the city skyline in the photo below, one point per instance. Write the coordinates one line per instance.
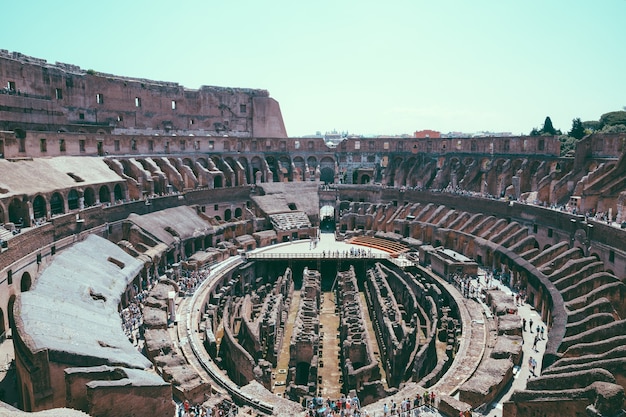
(361, 67)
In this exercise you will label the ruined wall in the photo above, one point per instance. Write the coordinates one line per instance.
(360, 366)
(38, 93)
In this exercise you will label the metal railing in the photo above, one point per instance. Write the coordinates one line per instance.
(314, 255)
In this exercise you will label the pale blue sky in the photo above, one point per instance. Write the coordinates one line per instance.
(367, 67)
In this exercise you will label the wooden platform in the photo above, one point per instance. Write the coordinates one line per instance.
(391, 246)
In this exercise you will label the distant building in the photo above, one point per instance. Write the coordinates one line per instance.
(427, 134)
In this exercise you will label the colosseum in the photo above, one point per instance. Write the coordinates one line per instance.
(166, 251)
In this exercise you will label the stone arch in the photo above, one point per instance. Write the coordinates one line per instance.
(25, 282)
(300, 166)
(230, 162)
(610, 271)
(188, 162)
(327, 168)
(228, 214)
(246, 169)
(238, 212)
(104, 194)
(595, 255)
(73, 200)
(218, 181)
(2, 214)
(271, 163)
(284, 164)
(394, 170)
(90, 197)
(40, 207)
(118, 192)
(18, 211)
(257, 166)
(57, 205)
(327, 175)
(203, 162)
(365, 179)
(311, 161)
(10, 314)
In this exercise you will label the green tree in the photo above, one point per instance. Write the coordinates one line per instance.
(578, 130)
(548, 127)
(613, 118)
(568, 145)
(591, 125)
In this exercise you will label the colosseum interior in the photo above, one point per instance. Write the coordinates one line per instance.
(163, 246)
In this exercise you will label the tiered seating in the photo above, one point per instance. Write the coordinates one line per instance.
(394, 248)
(290, 221)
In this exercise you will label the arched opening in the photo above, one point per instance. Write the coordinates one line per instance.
(365, 179)
(2, 219)
(203, 163)
(25, 282)
(302, 373)
(257, 166)
(284, 167)
(243, 162)
(10, 311)
(188, 248)
(300, 168)
(238, 213)
(90, 197)
(56, 204)
(73, 202)
(217, 181)
(39, 207)
(271, 163)
(118, 192)
(104, 194)
(327, 216)
(18, 211)
(227, 214)
(327, 175)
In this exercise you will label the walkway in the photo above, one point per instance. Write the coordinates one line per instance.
(521, 373)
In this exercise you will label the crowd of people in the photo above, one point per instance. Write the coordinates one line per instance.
(352, 253)
(132, 318)
(188, 281)
(346, 406)
(223, 409)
